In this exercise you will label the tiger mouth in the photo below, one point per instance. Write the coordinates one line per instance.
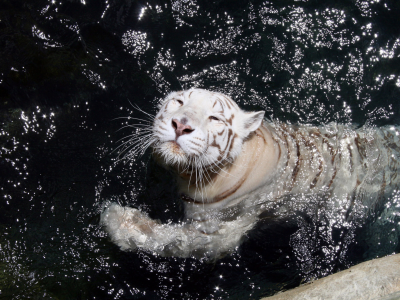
(175, 148)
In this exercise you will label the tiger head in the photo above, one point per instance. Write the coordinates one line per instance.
(201, 128)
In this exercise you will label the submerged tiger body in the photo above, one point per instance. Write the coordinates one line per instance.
(231, 166)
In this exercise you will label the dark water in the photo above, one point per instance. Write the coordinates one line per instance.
(69, 69)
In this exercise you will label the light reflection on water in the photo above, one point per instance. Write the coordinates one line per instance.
(69, 68)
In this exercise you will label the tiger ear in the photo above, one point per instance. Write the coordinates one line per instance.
(253, 120)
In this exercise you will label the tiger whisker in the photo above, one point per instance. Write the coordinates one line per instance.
(136, 135)
(137, 149)
(142, 111)
(134, 118)
(137, 126)
(132, 143)
(138, 142)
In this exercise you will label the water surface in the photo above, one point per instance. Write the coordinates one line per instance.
(70, 69)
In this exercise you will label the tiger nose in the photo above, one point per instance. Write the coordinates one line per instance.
(181, 128)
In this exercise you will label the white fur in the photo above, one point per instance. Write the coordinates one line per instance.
(198, 106)
(263, 165)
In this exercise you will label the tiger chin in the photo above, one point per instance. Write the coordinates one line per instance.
(232, 165)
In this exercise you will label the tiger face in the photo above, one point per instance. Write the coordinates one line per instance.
(201, 128)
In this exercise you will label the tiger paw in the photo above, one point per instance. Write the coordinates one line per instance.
(128, 227)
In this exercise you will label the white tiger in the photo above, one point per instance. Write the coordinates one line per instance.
(232, 165)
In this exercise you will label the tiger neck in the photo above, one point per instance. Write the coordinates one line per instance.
(249, 171)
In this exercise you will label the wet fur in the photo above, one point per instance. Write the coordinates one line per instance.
(234, 166)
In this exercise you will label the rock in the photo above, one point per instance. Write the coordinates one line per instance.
(375, 279)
